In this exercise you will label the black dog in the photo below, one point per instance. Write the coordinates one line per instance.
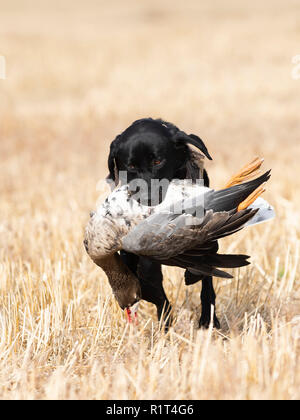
(155, 149)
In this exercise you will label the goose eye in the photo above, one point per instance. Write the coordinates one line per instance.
(156, 162)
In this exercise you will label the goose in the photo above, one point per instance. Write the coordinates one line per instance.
(182, 231)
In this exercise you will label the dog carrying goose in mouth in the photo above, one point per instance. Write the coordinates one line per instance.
(182, 231)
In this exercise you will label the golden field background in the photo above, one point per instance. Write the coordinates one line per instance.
(78, 73)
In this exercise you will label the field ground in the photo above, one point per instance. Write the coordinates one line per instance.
(78, 73)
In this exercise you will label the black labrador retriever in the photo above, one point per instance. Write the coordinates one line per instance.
(155, 149)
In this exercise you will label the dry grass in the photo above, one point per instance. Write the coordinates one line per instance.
(77, 74)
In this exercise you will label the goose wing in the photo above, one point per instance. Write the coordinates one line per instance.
(187, 241)
(190, 242)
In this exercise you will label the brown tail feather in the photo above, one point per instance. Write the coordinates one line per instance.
(247, 172)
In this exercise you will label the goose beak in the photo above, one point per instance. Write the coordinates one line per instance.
(131, 314)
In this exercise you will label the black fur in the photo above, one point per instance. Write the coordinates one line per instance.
(156, 149)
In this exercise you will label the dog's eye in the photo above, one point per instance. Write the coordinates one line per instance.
(156, 162)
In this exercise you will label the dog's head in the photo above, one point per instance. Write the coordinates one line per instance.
(153, 150)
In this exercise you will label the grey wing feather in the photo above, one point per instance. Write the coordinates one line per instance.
(160, 235)
(165, 235)
(188, 241)
(223, 200)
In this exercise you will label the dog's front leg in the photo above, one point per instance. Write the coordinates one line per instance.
(151, 279)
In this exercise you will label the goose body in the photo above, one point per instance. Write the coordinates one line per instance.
(183, 231)
(121, 212)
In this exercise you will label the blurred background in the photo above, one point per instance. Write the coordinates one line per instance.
(79, 72)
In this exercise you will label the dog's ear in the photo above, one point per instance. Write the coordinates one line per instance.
(181, 136)
(112, 164)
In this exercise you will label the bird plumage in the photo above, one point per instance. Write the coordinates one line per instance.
(182, 231)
